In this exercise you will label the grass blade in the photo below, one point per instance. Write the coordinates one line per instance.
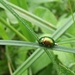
(19, 18)
(35, 45)
(28, 62)
(61, 30)
(12, 28)
(37, 20)
(52, 57)
(18, 43)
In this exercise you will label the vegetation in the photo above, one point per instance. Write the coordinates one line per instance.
(23, 23)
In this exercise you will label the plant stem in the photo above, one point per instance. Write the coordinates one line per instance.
(13, 29)
(52, 57)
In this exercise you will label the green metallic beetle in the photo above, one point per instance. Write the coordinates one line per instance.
(46, 41)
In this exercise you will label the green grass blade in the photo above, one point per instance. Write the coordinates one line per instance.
(19, 18)
(61, 30)
(18, 43)
(30, 44)
(65, 71)
(66, 41)
(12, 28)
(52, 57)
(28, 62)
(64, 49)
(35, 45)
(35, 19)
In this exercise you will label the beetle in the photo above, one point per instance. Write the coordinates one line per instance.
(46, 41)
